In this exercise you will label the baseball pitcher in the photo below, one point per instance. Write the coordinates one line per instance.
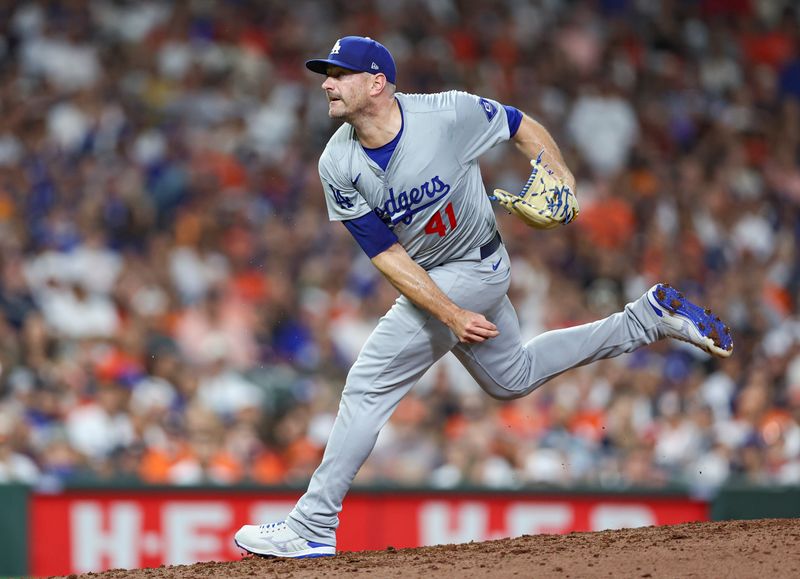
(402, 175)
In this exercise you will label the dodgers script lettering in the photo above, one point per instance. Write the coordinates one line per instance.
(404, 205)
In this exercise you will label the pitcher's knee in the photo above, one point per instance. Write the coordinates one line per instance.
(499, 393)
(354, 390)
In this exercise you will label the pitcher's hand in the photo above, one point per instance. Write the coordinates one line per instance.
(472, 328)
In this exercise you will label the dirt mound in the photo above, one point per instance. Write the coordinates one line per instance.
(763, 548)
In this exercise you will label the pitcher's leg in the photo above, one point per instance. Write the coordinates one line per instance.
(403, 346)
(507, 369)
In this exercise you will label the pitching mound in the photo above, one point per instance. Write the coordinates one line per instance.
(764, 548)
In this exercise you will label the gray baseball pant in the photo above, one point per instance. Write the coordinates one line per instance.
(408, 340)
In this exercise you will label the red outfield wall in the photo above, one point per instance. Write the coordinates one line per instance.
(80, 531)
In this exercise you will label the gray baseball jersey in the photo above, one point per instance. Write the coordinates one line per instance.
(431, 194)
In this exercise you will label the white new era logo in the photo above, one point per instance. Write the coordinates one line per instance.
(374, 66)
(336, 47)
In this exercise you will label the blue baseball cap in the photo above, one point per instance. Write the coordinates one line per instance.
(359, 53)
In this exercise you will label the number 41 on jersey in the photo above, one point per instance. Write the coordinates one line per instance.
(436, 224)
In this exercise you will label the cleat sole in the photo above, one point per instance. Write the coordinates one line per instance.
(714, 337)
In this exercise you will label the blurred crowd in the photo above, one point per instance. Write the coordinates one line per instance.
(177, 308)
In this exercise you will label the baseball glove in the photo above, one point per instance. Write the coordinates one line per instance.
(545, 201)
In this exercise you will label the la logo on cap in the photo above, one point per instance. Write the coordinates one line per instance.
(336, 47)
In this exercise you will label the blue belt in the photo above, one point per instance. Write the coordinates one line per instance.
(489, 248)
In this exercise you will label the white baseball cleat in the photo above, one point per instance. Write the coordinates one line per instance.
(689, 322)
(278, 540)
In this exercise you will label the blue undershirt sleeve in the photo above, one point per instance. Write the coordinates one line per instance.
(372, 234)
(514, 119)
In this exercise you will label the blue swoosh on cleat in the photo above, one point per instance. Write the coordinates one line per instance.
(314, 544)
(656, 310)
